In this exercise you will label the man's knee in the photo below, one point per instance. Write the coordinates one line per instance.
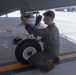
(31, 60)
(36, 57)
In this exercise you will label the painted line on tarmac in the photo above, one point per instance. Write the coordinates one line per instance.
(18, 66)
(11, 67)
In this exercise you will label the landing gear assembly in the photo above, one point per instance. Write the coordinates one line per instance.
(28, 47)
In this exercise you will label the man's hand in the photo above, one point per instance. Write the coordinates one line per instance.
(24, 20)
(39, 40)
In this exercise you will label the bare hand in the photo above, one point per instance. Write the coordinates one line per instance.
(39, 40)
(24, 20)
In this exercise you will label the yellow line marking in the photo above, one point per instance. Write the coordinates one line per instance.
(16, 66)
(11, 67)
(67, 56)
(1, 31)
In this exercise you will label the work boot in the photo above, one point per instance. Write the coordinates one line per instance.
(56, 60)
(47, 69)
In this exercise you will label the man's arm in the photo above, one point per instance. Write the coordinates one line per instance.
(33, 30)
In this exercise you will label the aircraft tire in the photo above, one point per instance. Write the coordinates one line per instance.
(25, 49)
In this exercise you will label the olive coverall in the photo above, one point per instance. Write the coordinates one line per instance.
(51, 43)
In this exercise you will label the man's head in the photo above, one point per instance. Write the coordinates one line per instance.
(49, 17)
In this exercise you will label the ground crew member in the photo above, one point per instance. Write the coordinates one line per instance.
(51, 43)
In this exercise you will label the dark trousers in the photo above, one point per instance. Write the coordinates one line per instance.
(40, 60)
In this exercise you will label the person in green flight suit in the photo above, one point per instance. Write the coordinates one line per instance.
(51, 43)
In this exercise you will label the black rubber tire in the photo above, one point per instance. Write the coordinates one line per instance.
(22, 46)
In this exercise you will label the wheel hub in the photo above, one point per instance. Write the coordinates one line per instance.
(28, 52)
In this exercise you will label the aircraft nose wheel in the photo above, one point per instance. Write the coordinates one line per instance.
(25, 49)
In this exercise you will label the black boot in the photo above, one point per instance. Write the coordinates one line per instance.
(48, 68)
(56, 60)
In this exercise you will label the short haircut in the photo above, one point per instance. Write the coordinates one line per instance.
(50, 14)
